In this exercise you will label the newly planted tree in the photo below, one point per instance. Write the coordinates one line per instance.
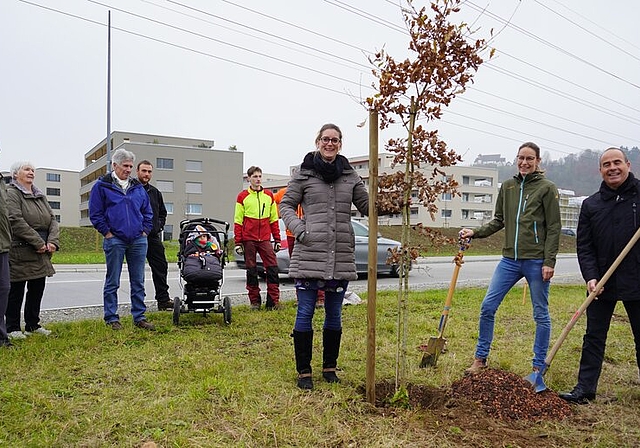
(413, 92)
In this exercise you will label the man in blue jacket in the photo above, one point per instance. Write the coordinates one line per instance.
(120, 210)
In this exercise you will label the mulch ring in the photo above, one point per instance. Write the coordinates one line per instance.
(500, 394)
(507, 396)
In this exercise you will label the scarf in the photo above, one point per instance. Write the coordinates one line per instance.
(329, 171)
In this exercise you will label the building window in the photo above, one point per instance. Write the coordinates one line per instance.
(53, 177)
(446, 196)
(54, 205)
(414, 211)
(165, 186)
(57, 217)
(465, 180)
(465, 214)
(194, 165)
(445, 213)
(53, 191)
(167, 232)
(169, 207)
(194, 209)
(193, 187)
(164, 164)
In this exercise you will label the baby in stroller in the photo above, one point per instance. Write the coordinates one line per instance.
(201, 242)
(201, 261)
(202, 258)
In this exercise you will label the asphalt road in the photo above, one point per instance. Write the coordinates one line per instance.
(76, 286)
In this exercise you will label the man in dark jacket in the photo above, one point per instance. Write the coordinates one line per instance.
(119, 209)
(155, 250)
(608, 220)
(5, 245)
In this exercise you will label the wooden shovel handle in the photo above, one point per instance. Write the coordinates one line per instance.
(452, 286)
(590, 297)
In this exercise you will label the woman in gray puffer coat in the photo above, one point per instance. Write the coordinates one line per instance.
(323, 258)
(35, 236)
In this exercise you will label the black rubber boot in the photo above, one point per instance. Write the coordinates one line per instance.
(303, 347)
(330, 351)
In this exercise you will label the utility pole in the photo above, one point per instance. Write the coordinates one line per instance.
(109, 91)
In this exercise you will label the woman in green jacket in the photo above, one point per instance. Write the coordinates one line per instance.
(527, 207)
(35, 236)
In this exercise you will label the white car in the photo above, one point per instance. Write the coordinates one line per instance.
(362, 252)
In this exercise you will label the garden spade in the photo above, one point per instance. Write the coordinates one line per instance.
(435, 345)
(536, 378)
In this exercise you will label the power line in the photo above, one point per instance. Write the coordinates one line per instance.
(192, 50)
(548, 89)
(317, 50)
(521, 117)
(159, 22)
(556, 47)
(546, 112)
(591, 32)
(235, 62)
(564, 95)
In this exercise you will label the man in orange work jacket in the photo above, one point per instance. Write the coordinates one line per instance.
(255, 221)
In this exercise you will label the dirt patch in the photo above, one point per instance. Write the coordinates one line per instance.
(497, 393)
(506, 396)
(492, 408)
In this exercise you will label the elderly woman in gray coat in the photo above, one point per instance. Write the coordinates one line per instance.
(323, 258)
(35, 236)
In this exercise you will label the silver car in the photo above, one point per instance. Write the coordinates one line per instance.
(362, 252)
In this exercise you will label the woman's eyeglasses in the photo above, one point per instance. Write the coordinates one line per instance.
(334, 140)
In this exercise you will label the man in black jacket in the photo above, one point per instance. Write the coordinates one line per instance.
(608, 220)
(155, 251)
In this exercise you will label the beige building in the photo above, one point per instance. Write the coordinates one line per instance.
(195, 179)
(478, 191)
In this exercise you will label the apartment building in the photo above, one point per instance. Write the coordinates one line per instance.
(61, 188)
(478, 191)
(195, 179)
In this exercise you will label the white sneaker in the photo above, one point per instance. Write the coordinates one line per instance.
(17, 335)
(41, 330)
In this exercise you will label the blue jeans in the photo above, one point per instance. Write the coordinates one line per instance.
(507, 274)
(115, 251)
(307, 307)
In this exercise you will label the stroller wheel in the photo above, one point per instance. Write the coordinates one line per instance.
(226, 303)
(177, 303)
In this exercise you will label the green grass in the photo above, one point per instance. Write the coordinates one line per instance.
(205, 384)
(83, 245)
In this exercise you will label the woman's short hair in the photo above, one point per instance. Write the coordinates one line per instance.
(17, 166)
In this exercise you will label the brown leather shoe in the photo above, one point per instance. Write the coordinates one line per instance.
(145, 325)
(115, 325)
(477, 366)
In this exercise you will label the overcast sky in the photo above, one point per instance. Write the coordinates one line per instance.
(265, 75)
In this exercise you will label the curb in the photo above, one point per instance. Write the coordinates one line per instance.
(173, 267)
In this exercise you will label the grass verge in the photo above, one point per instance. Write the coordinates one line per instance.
(205, 384)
